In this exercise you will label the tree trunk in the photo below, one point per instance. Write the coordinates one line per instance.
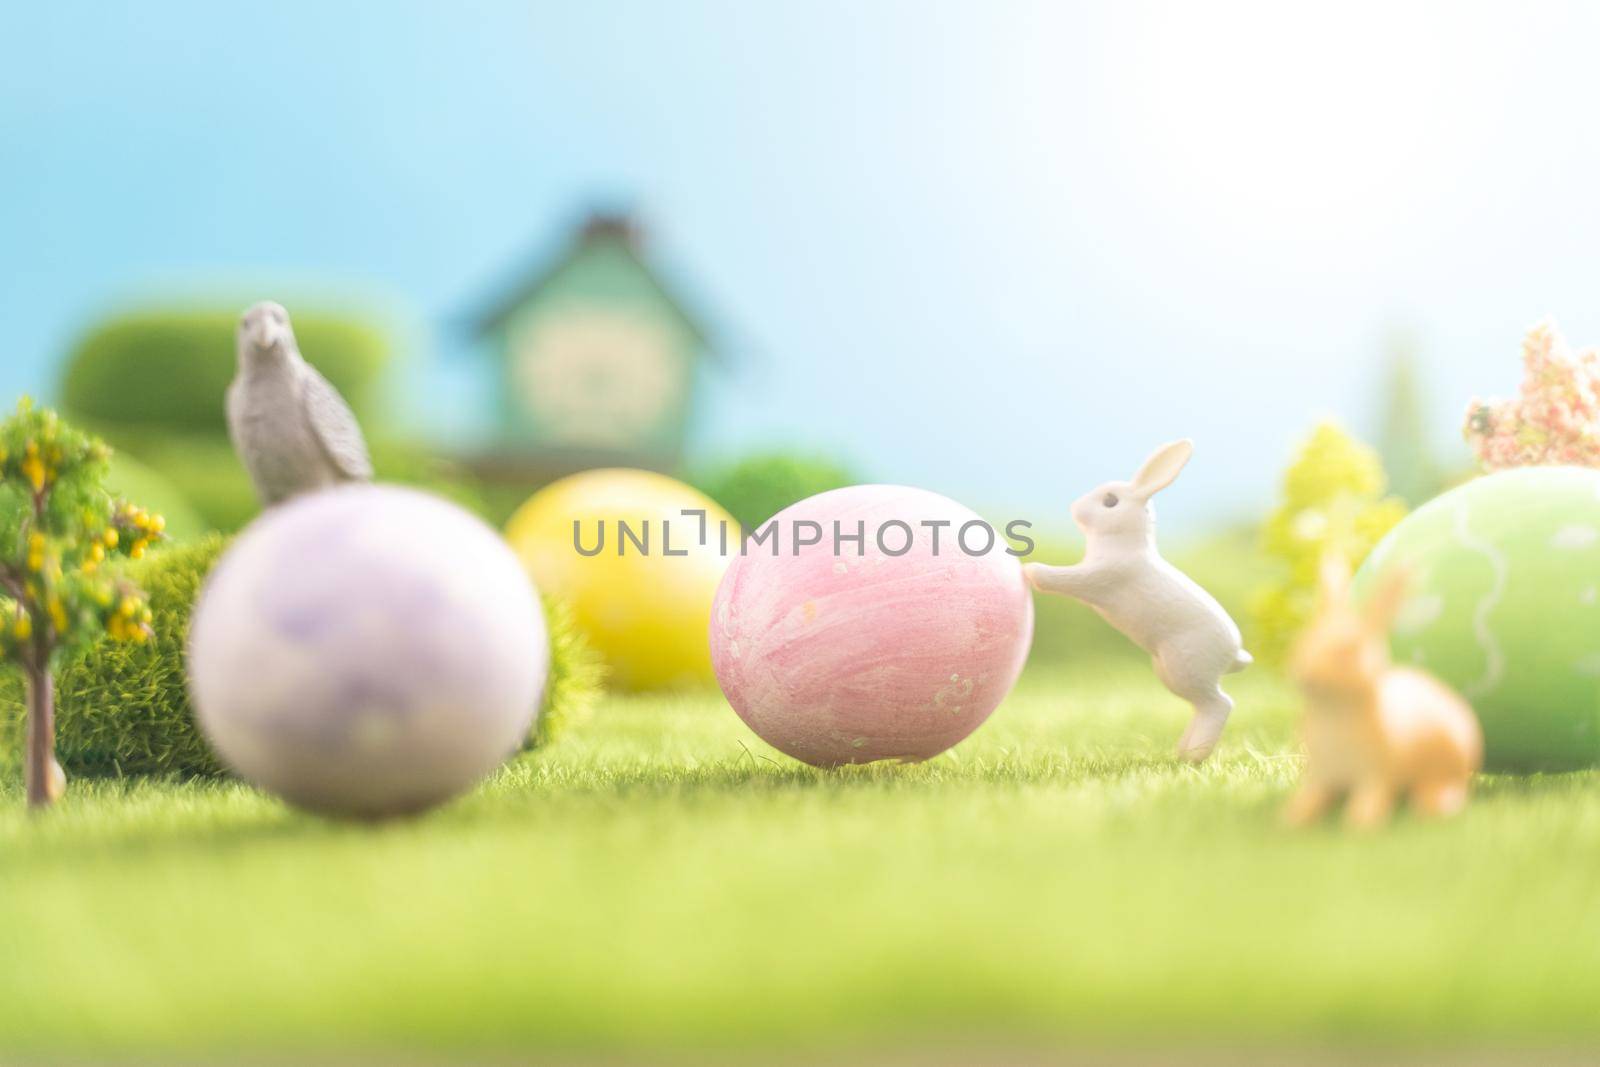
(43, 775)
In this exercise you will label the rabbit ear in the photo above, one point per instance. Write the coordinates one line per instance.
(1162, 467)
(1335, 577)
(1387, 596)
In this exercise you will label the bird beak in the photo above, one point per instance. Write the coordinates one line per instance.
(265, 334)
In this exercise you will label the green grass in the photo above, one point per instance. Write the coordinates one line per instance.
(659, 882)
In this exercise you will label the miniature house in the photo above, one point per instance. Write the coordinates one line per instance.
(596, 362)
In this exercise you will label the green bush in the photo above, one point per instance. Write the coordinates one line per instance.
(411, 463)
(576, 679)
(213, 483)
(123, 709)
(154, 384)
(171, 369)
(204, 468)
(758, 487)
(129, 479)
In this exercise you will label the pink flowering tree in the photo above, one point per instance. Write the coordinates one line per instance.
(1556, 418)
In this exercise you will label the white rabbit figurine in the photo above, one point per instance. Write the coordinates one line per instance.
(1191, 640)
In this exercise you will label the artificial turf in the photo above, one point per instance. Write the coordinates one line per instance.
(660, 882)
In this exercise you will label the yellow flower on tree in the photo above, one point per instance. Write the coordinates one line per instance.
(57, 526)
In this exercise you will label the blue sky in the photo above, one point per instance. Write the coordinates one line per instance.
(998, 250)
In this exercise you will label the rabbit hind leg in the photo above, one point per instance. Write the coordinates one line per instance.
(1205, 729)
(1438, 798)
(1370, 806)
(1310, 802)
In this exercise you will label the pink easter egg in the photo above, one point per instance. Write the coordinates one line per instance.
(894, 646)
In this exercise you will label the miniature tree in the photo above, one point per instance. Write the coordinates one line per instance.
(1555, 420)
(58, 526)
(1333, 500)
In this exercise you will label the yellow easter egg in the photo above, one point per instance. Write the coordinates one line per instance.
(631, 553)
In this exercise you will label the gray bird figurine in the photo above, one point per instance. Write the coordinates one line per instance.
(292, 430)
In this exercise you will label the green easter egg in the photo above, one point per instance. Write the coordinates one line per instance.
(1503, 604)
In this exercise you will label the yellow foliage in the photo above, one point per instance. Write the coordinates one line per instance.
(1332, 500)
(58, 531)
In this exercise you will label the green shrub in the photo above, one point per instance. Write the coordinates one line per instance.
(201, 467)
(171, 369)
(577, 675)
(123, 709)
(212, 482)
(204, 468)
(154, 384)
(411, 463)
(758, 487)
(129, 479)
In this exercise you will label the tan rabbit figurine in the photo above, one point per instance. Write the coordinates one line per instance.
(1374, 732)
